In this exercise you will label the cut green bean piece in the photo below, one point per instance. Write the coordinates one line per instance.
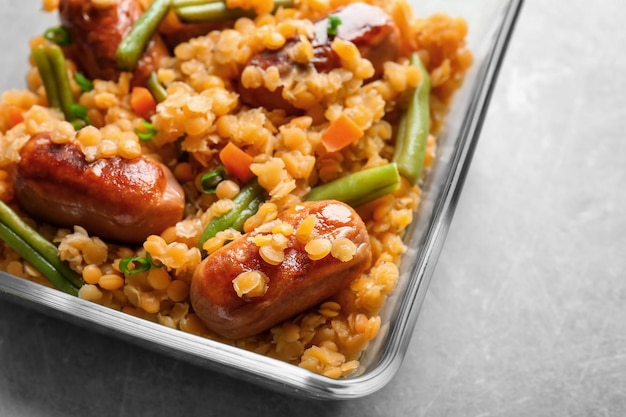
(245, 204)
(414, 128)
(194, 11)
(132, 47)
(42, 63)
(38, 243)
(59, 69)
(36, 260)
(361, 187)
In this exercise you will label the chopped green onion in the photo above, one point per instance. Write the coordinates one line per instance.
(210, 180)
(78, 124)
(147, 131)
(78, 111)
(139, 264)
(333, 23)
(58, 35)
(83, 82)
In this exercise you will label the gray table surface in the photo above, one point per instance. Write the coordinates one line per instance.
(526, 313)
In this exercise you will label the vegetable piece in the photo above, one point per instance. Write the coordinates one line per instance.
(245, 204)
(146, 132)
(83, 82)
(58, 35)
(50, 63)
(333, 23)
(197, 11)
(340, 133)
(210, 180)
(14, 114)
(236, 162)
(156, 88)
(40, 57)
(360, 187)
(414, 128)
(59, 69)
(36, 250)
(139, 264)
(142, 102)
(132, 47)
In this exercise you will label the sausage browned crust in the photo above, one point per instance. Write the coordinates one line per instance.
(292, 286)
(96, 33)
(120, 199)
(369, 27)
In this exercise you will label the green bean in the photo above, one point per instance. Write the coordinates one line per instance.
(156, 88)
(360, 187)
(245, 204)
(40, 58)
(35, 249)
(36, 260)
(52, 68)
(59, 69)
(414, 128)
(197, 11)
(132, 47)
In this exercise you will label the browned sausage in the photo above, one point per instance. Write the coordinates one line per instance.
(292, 286)
(120, 199)
(370, 28)
(97, 32)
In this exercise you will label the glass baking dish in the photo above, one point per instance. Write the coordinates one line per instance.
(491, 24)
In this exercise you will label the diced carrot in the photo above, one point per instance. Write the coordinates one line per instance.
(14, 115)
(236, 162)
(340, 133)
(142, 102)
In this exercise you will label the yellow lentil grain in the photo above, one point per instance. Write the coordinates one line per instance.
(90, 292)
(318, 248)
(343, 249)
(178, 290)
(150, 303)
(283, 228)
(250, 284)
(306, 228)
(91, 274)
(273, 40)
(15, 268)
(271, 255)
(158, 278)
(111, 282)
(227, 189)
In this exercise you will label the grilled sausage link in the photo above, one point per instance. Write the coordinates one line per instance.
(370, 28)
(287, 287)
(124, 200)
(96, 33)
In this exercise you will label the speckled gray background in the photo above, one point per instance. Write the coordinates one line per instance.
(526, 313)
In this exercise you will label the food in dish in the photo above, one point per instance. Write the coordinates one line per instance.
(246, 178)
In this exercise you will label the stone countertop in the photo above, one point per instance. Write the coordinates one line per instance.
(526, 312)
